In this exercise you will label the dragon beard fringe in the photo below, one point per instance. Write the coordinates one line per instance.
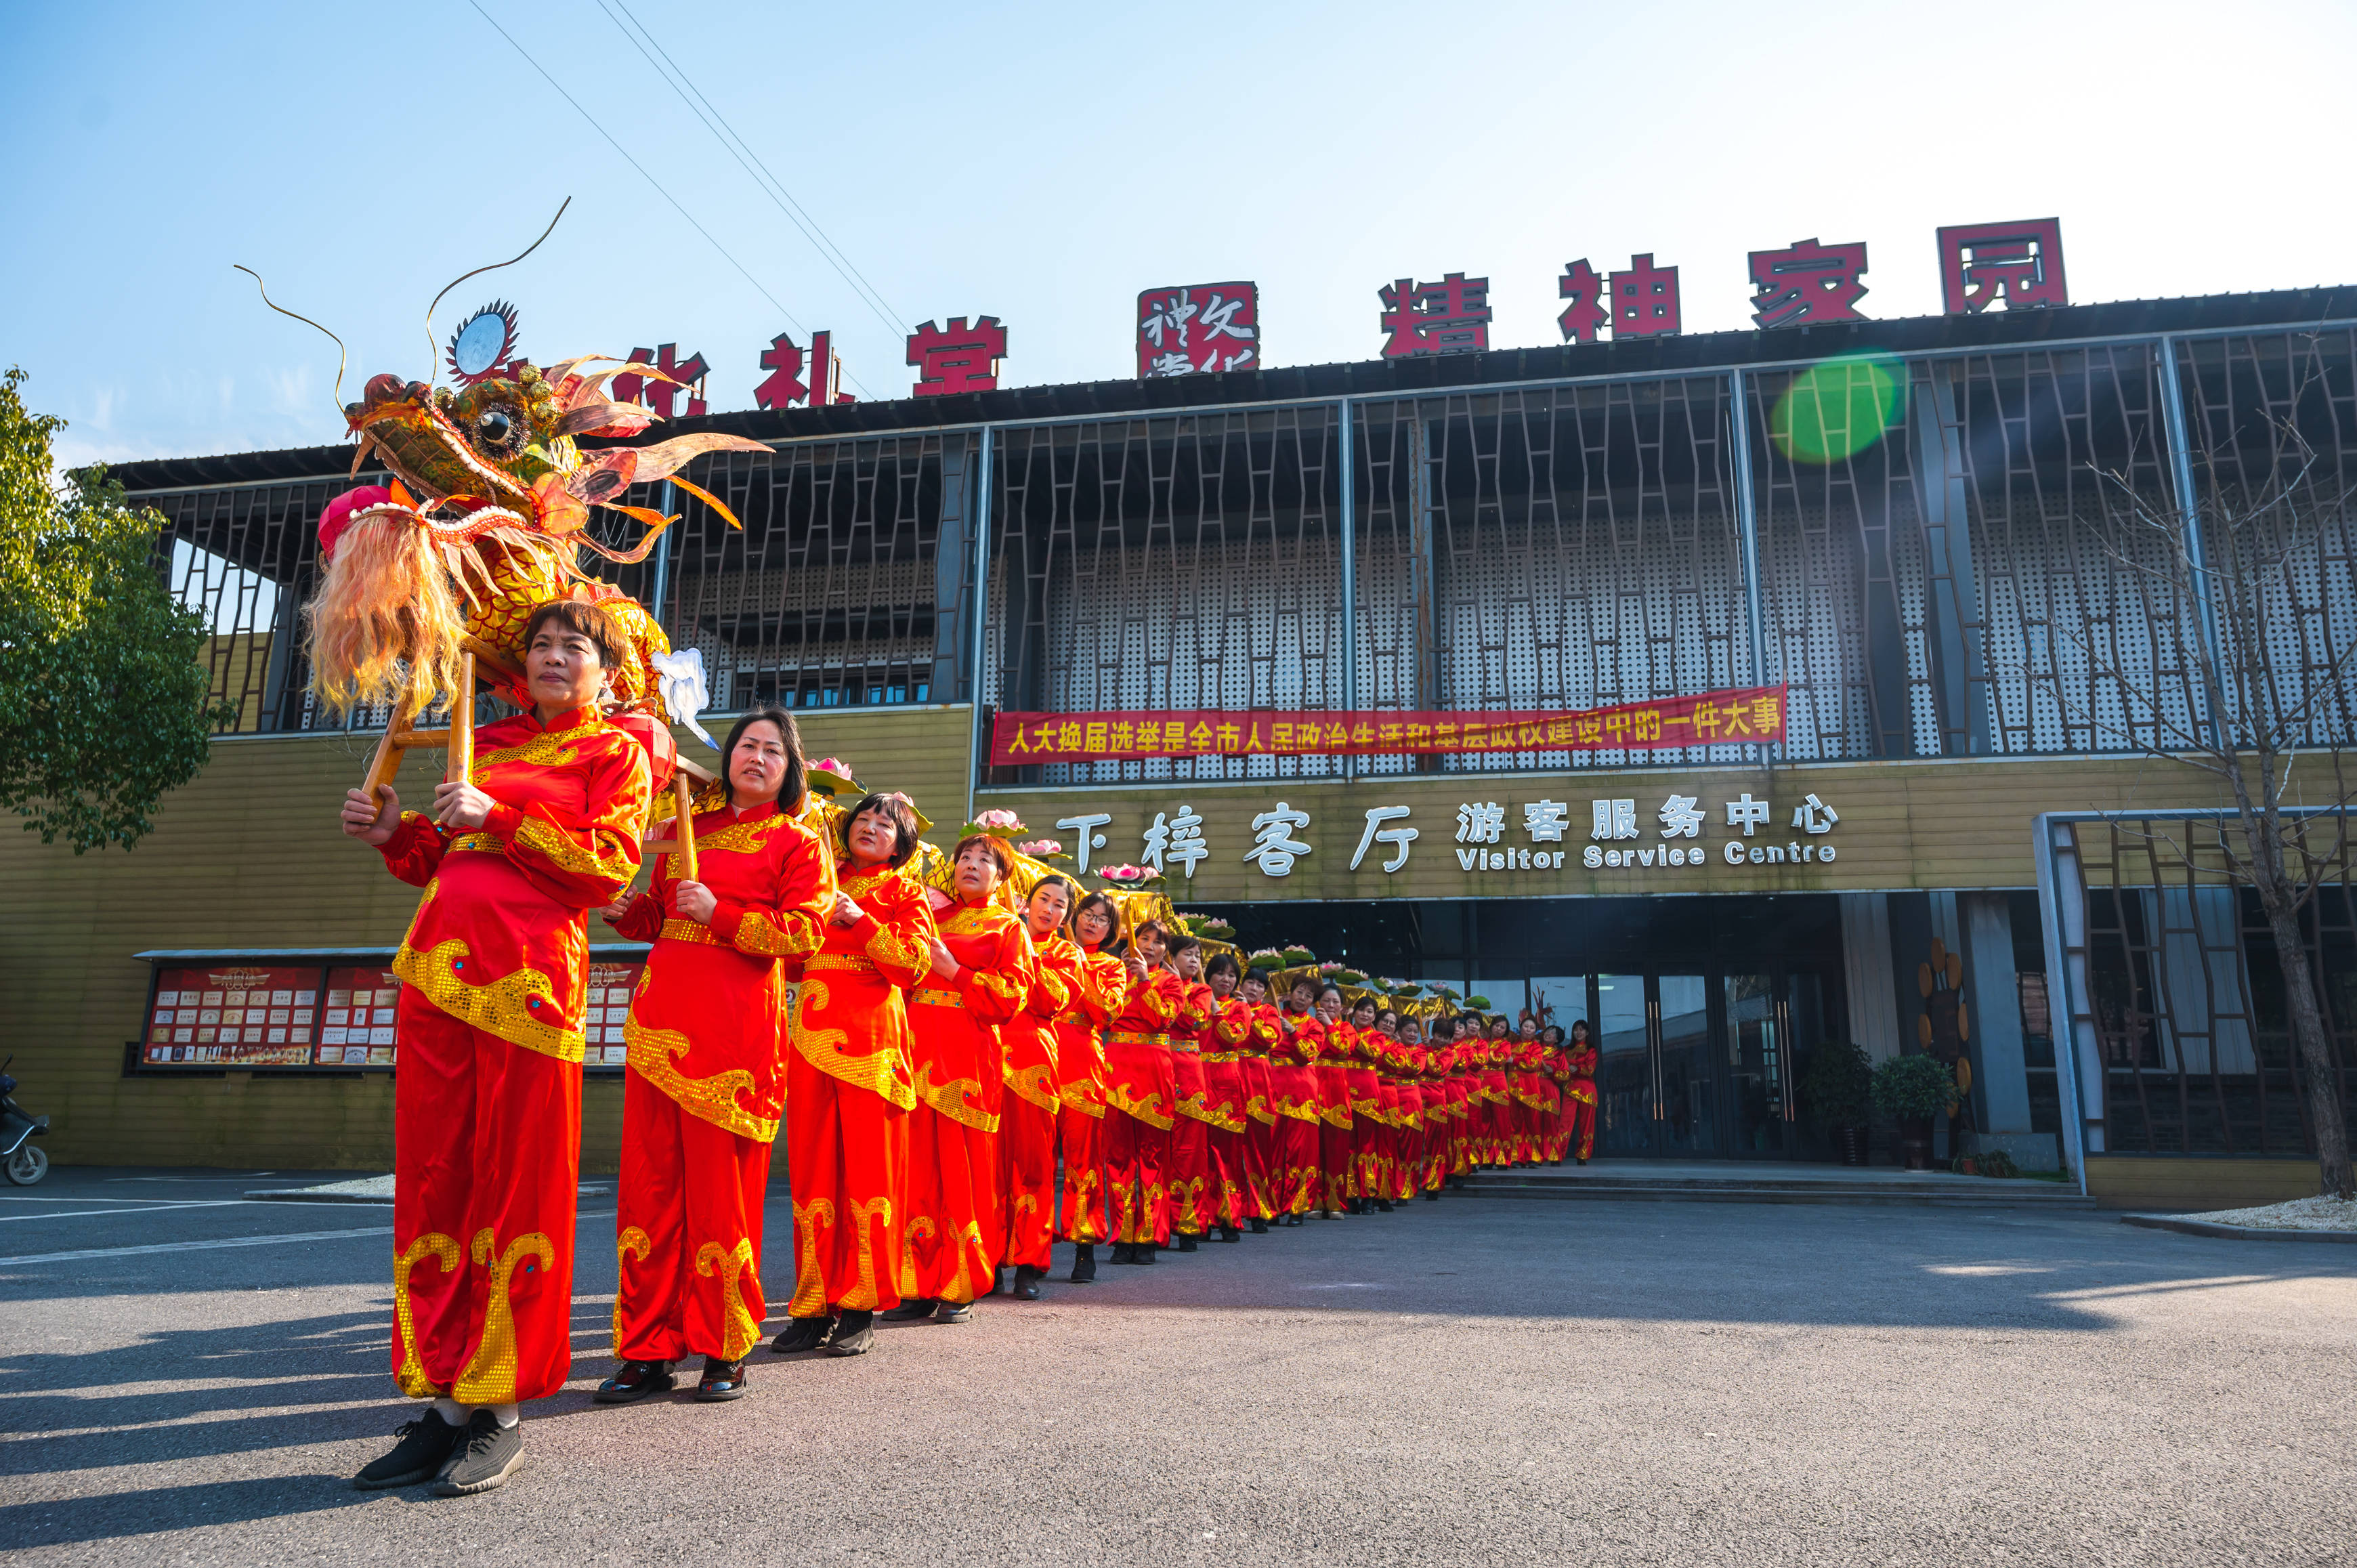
(386, 626)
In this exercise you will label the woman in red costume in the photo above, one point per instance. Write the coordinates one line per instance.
(1371, 1125)
(1556, 1073)
(981, 974)
(1100, 987)
(1526, 1064)
(1027, 1115)
(705, 1086)
(851, 1084)
(1401, 1105)
(1139, 1100)
(1298, 1099)
(1191, 1182)
(1256, 1048)
(487, 1106)
(1580, 1093)
(1222, 1039)
(1496, 1052)
(1337, 1149)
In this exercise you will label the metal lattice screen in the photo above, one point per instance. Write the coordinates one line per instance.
(1565, 547)
(2184, 995)
(1164, 564)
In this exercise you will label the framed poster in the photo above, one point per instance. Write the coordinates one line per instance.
(233, 1014)
(610, 988)
(356, 1026)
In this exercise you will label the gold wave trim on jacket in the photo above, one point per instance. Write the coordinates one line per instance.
(1198, 1108)
(510, 1006)
(1036, 1086)
(610, 859)
(712, 1100)
(959, 1099)
(543, 750)
(741, 837)
(883, 1072)
(1147, 1109)
(1084, 1095)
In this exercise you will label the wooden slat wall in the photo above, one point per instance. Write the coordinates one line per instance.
(2193, 1185)
(249, 855)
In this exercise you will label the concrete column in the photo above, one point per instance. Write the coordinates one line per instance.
(1866, 971)
(1993, 994)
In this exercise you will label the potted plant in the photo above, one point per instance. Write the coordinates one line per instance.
(1911, 1091)
(1838, 1089)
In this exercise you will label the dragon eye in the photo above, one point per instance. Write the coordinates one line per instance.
(493, 428)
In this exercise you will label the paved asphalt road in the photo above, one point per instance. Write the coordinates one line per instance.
(1474, 1381)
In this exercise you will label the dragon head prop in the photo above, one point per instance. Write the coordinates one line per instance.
(485, 521)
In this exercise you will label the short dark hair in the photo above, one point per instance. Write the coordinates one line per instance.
(1156, 926)
(790, 792)
(1000, 855)
(897, 811)
(1554, 1029)
(1116, 941)
(1224, 963)
(1054, 879)
(587, 621)
(1383, 1013)
(1328, 986)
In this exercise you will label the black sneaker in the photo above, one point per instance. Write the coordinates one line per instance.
(1084, 1263)
(802, 1333)
(635, 1381)
(423, 1448)
(1141, 1253)
(1186, 1242)
(1260, 1227)
(485, 1461)
(722, 1380)
(855, 1334)
(954, 1312)
(910, 1310)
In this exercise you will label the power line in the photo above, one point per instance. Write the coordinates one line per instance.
(650, 178)
(742, 150)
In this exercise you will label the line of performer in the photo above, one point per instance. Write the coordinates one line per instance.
(964, 1075)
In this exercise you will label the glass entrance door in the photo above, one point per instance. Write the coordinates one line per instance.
(1759, 1059)
(1685, 1096)
(1624, 1066)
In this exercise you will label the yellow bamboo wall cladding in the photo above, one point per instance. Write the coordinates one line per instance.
(249, 855)
(1901, 825)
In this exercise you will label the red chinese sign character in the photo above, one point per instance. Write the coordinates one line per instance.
(2021, 261)
(1645, 299)
(1451, 316)
(783, 384)
(659, 393)
(1193, 332)
(1808, 283)
(1584, 315)
(957, 357)
(827, 372)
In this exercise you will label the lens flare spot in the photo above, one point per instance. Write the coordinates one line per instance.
(1837, 409)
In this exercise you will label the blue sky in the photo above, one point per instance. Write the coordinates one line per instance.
(1045, 163)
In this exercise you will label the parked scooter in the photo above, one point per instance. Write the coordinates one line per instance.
(23, 1161)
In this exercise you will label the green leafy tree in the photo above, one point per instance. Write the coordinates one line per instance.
(103, 705)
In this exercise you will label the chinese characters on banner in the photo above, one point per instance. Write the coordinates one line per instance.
(1198, 330)
(1745, 717)
(2021, 262)
(957, 357)
(1660, 837)
(686, 375)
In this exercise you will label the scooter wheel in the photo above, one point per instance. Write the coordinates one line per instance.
(28, 1164)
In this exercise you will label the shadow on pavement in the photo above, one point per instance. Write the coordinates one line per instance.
(152, 1509)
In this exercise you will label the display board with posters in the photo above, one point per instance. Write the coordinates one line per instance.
(356, 1027)
(233, 1016)
(289, 1010)
(610, 987)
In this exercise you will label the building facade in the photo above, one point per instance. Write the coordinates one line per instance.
(1931, 539)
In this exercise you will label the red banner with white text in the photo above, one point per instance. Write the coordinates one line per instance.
(1744, 716)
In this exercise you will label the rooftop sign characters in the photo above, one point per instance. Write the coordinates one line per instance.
(1192, 329)
(1742, 716)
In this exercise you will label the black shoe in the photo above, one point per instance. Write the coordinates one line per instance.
(722, 1380)
(1231, 1233)
(1084, 1263)
(485, 1460)
(1186, 1242)
(1260, 1227)
(1433, 1196)
(802, 1333)
(423, 1448)
(910, 1310)
(1027, 1283)
(1384, 1205)
(635, 1381)
(954, 1312)
(1583, 1159)
(1141, 1253)
(855, 1334)
(1123, 1253)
